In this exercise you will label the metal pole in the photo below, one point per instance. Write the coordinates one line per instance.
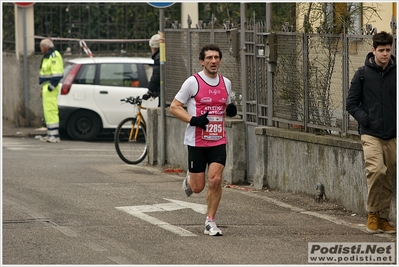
(345, 115)
(305, 57)
(162, 83)
(243, 50)
(393, 31)
(26, 85)
(269, 73)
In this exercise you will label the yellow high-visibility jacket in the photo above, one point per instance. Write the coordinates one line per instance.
(51, 70)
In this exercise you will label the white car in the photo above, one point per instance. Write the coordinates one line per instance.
(91, 92)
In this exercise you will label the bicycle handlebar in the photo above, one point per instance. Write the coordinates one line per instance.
(133, 100)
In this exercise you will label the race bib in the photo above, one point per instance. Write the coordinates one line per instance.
(214, 129)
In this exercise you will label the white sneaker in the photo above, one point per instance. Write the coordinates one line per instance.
(44, 138)
(212, 229)
(52, 139)
(186, 187)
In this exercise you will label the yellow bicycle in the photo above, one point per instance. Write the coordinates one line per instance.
(130, 135)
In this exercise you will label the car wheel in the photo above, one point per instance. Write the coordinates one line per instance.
(84, 125)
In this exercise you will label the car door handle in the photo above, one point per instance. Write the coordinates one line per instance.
(104, 92)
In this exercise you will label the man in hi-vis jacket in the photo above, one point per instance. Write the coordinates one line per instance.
(51, 73)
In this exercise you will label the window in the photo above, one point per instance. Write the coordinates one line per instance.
(86, 74)
(355, 9)
(111, 74)
(131, 75)
(67, 69)
(119, 74)
(342, 15)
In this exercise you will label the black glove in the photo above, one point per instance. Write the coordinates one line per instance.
(146, 96)
(231, 110)
(200, 121)
(49, 89)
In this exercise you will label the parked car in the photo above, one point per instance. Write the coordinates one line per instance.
(89, 99)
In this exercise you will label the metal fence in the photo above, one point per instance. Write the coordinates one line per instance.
(312, 77)
(182, 58)
(290, 79)
(107, 28)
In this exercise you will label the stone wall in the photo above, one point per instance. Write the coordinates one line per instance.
(286, 160)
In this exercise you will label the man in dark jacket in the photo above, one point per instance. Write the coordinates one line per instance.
(155, 81)
(372, 102)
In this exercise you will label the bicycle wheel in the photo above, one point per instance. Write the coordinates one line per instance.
(130, 141)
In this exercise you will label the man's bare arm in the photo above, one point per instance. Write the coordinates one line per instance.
(177, 109)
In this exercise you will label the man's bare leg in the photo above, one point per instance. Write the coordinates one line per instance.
(214, 193)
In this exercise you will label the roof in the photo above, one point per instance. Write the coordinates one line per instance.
(88, 60)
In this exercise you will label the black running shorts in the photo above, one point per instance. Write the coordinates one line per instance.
(200, 157)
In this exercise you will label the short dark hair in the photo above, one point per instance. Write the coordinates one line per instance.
(382, 38)
(208, 47)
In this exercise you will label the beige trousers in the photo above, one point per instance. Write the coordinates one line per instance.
(380, 163)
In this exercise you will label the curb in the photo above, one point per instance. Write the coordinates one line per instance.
(22, 133)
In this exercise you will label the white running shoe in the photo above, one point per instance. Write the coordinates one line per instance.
(44, 138)
(53, 139)
(212, 229)
(186, 187)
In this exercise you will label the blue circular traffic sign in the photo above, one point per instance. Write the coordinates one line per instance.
(161, 4)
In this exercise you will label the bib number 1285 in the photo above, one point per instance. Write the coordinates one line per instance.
(214, 129)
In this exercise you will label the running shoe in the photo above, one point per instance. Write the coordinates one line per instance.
(53, 139)
(212, 229)
(44, 138)
(186, 187)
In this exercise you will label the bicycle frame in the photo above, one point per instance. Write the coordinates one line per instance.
(130, 135)
(139, 119)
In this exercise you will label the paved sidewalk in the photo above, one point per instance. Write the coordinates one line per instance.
(9, 130)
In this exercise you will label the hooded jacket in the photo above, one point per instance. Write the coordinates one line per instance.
(372, 99)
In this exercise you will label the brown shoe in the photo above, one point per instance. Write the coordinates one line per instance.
(384, 226)
(372, 222)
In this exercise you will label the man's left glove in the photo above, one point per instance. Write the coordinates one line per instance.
(49, 89)
(231, 110)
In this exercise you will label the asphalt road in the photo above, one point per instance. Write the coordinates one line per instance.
(77, 203)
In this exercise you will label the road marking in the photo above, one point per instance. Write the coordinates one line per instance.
(94, 246)
(195, 207)
(20, 146)
(88, 149)
(139, 212)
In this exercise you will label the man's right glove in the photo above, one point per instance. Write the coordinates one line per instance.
(231, 110)
(200, 121)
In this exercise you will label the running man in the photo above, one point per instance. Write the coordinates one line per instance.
(207, 97)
